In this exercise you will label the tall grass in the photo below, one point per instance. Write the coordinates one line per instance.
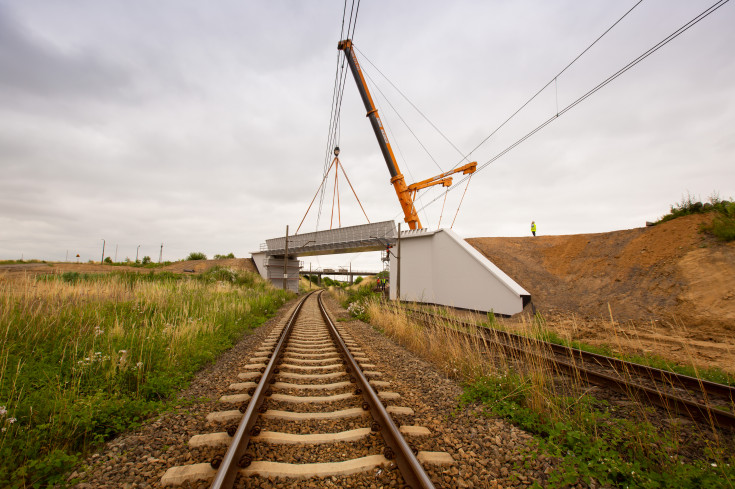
(591, 443)
(84, 357)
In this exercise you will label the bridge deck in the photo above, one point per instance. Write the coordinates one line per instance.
(353, 239)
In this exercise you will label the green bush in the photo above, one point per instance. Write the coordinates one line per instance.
(358, 280)
(108, 260)
(146, 260)
(196, 255)
(222, 257)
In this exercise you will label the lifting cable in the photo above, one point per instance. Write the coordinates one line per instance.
(705, 13)
(334, 131)
(376, 87)
(413, 105)
(353, 190)
(442, 212)
(461, 200)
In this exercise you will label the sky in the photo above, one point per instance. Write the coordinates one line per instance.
(203, 126)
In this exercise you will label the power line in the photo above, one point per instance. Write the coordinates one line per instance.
(598, 87)
(553, 80)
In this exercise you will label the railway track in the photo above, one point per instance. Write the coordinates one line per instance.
(679, 394)
(307, 405)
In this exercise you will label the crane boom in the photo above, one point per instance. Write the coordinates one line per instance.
(406, 193)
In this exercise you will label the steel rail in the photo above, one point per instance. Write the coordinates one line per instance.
(411, 470)
(692, 409)
(235, 456)
(656, 374)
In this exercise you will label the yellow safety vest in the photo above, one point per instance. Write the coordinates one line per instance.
(533, 227)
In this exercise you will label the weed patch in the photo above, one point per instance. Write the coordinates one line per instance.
(593, 447)
(87, 356)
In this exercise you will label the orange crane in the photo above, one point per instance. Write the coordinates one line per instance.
(406, 193)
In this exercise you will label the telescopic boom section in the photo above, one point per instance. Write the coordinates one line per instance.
(406, 194)
(396, 177)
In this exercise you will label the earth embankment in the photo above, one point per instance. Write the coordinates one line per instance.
(670, 272)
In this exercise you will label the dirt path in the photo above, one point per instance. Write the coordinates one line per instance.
(670, 288)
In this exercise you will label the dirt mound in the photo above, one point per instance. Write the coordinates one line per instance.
(660, 272)
(200, 266)
(190, 266)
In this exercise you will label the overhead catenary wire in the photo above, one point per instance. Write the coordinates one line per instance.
(708, 11)
(553, 80)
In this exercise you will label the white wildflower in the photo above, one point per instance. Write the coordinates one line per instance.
(12, 420)
(139, 365)
(3, 411)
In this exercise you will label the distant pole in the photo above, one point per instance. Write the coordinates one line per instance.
(285, 263)
(67, 255)
(103, 250)
(309, 275)
(116, 253)
(136, 253)
(398, 263)
(351, 273)
(160, 255)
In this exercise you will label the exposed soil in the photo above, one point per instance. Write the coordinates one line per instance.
(667, 289)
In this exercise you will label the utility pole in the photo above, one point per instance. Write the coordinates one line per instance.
(136, 253)
(160, 255)
(67, 255)
(398, 263)
(103, 250)
(285, 262)
(116, 253)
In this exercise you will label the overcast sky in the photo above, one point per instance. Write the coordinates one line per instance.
(204, 125)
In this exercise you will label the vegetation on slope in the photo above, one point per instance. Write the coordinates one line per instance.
(723, 224)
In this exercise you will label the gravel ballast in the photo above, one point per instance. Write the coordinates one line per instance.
(487, 452)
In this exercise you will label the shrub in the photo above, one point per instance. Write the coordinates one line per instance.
(146, 260)
(196, 255)
(108, 260)
(222, 257)
(358, 280)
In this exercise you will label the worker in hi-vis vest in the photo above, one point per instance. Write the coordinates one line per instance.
(533, 227)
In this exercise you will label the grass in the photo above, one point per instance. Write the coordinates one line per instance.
(722, 225)
(590, 443)
(84, 357)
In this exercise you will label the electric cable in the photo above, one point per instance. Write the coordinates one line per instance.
(546, 86)
(601, 85)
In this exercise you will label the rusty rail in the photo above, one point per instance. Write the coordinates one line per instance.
(692, 409)
(397, 447)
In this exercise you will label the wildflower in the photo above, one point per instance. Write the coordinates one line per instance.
(714, 465)
(3, 411)
(122, 352)
(12, 420)
(139, 365)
